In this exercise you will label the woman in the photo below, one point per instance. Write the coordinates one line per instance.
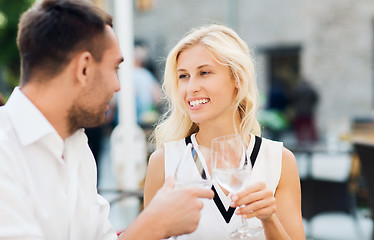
(211, 88)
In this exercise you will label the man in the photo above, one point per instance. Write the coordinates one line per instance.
(70, 56)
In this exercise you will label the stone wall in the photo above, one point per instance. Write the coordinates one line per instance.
(336, 39)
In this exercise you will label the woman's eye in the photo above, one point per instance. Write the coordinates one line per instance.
(181, 76)
(204, 72)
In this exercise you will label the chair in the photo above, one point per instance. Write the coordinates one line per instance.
(328, 206)
(365, 152)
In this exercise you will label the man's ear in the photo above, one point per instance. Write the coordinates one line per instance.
(84, 66)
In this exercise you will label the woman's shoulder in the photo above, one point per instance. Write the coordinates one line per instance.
(288, 155)
(289, 164)
(157, 155)
(290, 172)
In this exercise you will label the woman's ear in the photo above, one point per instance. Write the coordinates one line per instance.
(84, 66)
(236, 84)
(233, 79)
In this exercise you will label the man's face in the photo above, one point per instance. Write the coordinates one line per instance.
(92, 104)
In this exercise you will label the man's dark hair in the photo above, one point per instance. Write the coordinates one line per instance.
(51, 32)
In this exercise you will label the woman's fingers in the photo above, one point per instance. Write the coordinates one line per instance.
(248, 195)
(255, 201)
(260, 209)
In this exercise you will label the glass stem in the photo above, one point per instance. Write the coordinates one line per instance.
(244, 222)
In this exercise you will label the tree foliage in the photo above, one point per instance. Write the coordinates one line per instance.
(10, 11)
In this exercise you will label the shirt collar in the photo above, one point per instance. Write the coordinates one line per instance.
(29, 123)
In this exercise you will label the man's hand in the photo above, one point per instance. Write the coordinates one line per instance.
(177, 211)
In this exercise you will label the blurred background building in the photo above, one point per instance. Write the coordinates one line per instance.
(328, 43)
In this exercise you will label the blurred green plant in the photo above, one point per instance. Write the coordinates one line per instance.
(273, 120)
(10, 11)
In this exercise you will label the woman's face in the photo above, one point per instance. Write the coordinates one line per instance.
(205, 86)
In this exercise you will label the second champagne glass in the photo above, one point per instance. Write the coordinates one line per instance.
(190, 171)
(232, 169)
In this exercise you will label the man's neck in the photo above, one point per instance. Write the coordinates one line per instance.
(52, 103)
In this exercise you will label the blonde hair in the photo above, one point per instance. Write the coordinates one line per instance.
(228, 49)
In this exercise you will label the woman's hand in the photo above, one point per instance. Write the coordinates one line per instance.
(255, 201)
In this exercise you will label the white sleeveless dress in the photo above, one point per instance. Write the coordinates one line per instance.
(212, 225)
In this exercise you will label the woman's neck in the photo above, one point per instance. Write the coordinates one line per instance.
(216, 128)
(205, 136)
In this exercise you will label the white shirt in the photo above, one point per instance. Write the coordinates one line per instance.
(47, 185)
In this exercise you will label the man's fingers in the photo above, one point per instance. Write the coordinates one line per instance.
(204, 193)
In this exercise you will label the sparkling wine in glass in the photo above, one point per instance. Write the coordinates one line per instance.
(232, 170)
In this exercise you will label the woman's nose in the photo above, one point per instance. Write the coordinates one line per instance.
(193, 85)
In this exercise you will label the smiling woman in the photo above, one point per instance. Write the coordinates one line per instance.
(210, 84)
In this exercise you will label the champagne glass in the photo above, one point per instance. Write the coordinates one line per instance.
(190, 171)
(232, 170)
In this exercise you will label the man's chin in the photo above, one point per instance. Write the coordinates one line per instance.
(98, 123)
